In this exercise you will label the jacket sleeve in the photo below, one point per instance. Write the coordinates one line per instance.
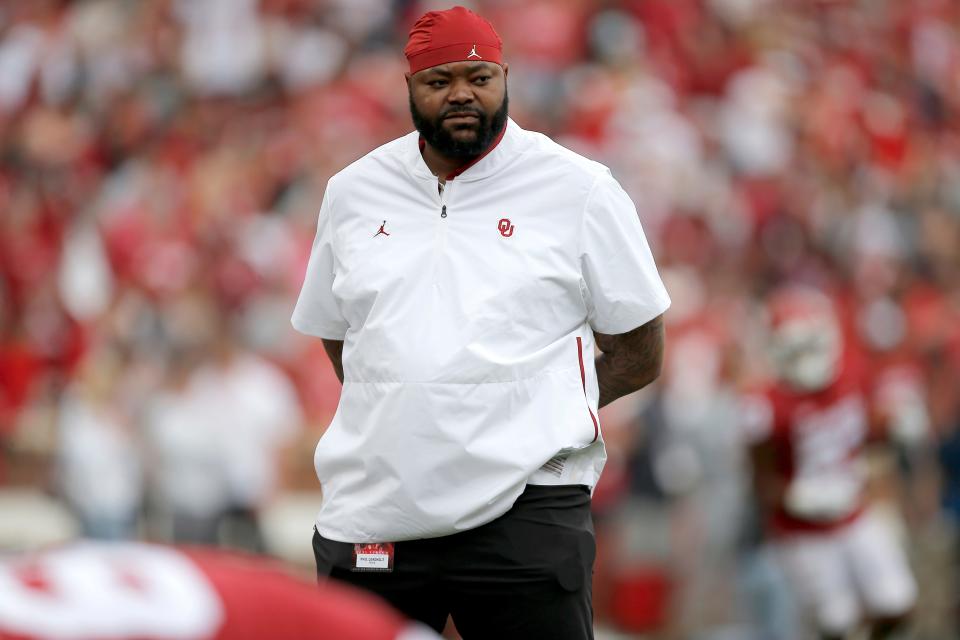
(621, 286)
(318, 311)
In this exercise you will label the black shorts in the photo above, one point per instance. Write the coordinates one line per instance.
(526, 574)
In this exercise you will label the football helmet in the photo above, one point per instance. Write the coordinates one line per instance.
(805, 340)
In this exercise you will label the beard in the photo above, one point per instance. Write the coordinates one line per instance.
(487, 129)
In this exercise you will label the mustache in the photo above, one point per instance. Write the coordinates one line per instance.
(461, 111)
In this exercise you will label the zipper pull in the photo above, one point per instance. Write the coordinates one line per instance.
(443, 211)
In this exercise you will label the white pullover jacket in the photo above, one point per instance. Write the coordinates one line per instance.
(467, 319)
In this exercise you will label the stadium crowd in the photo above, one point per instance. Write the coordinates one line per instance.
(161, 167)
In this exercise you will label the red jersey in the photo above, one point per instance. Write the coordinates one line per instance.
(816, 440)
(146, 592)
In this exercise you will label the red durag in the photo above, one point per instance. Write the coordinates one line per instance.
(454, 35)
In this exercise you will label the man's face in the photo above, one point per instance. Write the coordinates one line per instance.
(460, 107)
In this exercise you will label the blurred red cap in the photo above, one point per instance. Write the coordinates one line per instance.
(454, 35)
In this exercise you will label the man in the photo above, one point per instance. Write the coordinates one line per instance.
(806, 433)
(457, 278)
(145, 592)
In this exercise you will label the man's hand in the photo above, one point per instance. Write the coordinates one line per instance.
(630, 361)
(334, 349)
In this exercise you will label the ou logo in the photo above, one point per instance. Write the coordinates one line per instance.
(92, 591)
(505, 228)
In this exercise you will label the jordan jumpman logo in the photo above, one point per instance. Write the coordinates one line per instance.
(381, 230)
(474, 54)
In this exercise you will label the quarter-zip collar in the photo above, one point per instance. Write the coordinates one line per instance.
(504, 148)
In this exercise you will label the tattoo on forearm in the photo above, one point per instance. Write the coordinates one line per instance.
(630, 361)
(334, 349)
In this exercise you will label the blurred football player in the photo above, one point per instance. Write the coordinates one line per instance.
(146, 592)
(807, 432)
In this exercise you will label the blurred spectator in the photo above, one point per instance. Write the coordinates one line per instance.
(257, 414)
(189, 486)
(100, 468)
